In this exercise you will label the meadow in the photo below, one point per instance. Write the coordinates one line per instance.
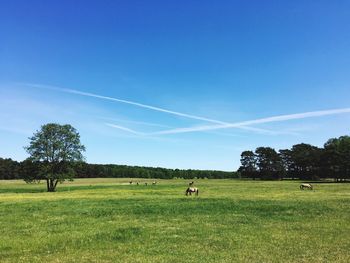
(108, 220)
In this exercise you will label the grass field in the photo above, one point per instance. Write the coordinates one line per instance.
(107, 220)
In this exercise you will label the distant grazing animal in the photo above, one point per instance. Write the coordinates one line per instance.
(145, 183)
(130, 182)
(191, 190)
(137, 183)
(154, 183)
(307, 186)
(191, 184)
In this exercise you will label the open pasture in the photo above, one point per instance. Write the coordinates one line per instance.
(108, 220)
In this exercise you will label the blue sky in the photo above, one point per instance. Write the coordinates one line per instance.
(179, 84)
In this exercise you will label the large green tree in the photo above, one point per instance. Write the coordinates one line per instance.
(306, 159)
(54, 148)
(336, 157)
(269, 163)
(287, 162)
(248, 166)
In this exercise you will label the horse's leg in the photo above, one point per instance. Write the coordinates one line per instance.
(197, 192)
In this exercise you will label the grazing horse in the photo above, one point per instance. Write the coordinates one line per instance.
(154, 183)
(130, 182)
(191, 190)
(307, 186)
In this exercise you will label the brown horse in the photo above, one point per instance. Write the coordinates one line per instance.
(307, 186)
(191, 190)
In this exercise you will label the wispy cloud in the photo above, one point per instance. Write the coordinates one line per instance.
(77, 92)
(278, 118)
(124, 129)
(246, 125)
(176, 113)
(142, 123)
(269, 132)
(148, 136)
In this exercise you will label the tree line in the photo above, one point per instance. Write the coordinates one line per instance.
(56, 155)
(10, 169)
(302, 161)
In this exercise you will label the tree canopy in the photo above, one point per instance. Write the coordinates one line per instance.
(249, 165)
(10, 169)
(54, 148)
(302, 161)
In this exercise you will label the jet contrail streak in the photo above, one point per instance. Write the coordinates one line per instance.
(220, 124)
(257, 121)
(190, 116)
(124, 128)
(72, 91)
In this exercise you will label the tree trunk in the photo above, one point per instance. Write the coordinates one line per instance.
(51, 185)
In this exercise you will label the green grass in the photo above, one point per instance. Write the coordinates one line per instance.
(108, 220)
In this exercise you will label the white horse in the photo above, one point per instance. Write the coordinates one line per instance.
(191, 190)
(307, 186)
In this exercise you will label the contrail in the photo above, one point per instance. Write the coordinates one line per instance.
(257, 121)
(190, 116)
(72, 91)
(220, 124)
(124, 129)
(137, 122)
